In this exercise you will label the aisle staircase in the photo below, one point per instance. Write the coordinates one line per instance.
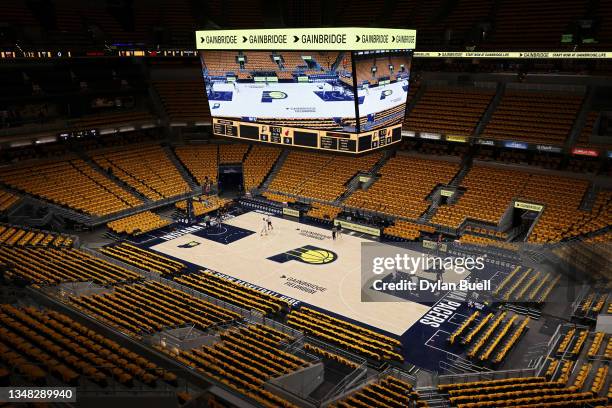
(589, 197)
(433, 397)
(179, 166)
(580, 120)
(111, 176)
(275, 169)
(353, 184)
(488, 113)
(466, 165)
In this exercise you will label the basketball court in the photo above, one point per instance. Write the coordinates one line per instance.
(296, 260)
(303, 100)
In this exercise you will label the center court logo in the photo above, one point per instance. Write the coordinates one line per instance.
(384, 94)
(268, 96)
(308, 254)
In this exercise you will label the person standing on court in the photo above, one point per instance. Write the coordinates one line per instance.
(264, 227)
(219, 219)
(334, 232)
(269, 222)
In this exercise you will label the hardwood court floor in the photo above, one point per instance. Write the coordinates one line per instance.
(334, 286)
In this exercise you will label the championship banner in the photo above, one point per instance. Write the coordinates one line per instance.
(321, 39)
(516, 54)
(528, 206)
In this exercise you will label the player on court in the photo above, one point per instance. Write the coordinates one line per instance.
(269, 223)
(264, 227)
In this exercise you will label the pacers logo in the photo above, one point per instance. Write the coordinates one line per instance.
(309, 254)
(386, 93)
(268, 96)
(189, 244)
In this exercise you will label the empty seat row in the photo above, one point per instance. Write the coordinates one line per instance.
(71, 183)
(395, 195)
(204, 204)
(7, 200)
(184, 100)
(50, 266)
(452, 111)
(144, 259)
(244, 360)
(16, 236)
(202, 161)
(323, 211)
(146, 308)
(347, 335)
(146, 169)
(258, 164)
(330, 355)
(232, 292)
(319, 176)
(38, 342)
(138, 223)
(387, 392)
(408, 230)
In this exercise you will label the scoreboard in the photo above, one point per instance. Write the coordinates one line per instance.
(308, 138)
(333, 89)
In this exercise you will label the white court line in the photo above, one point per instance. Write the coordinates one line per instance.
(453, 315)
(143, 242)
(249, 264)
(437, 348)
(219, 231)
(494, 275)
(341, 295)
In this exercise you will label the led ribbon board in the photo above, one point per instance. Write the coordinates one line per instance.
(516, 54)
(340, 89)
(323, 39)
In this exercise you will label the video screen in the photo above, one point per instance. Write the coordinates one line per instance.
(307, 89)
(382, 87)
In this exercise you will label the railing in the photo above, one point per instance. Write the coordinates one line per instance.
(114, 261)
(485, 376)
(460, 364)
(399, 374)
(355, 378)
(346, 387)
(28, 219)
(92, 221)
(148, 206)
(580, 297)
(296, 334)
